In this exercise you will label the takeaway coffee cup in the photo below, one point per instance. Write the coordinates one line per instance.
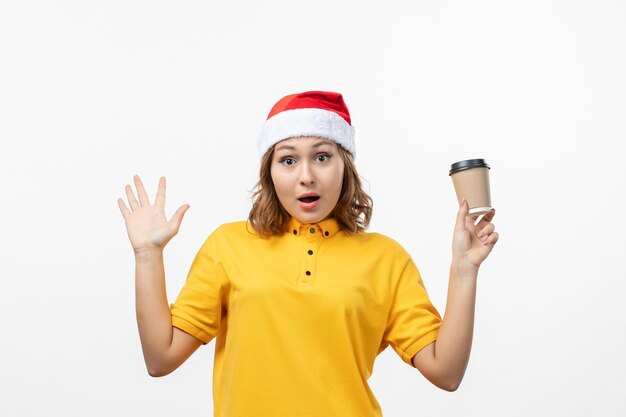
(471, 181)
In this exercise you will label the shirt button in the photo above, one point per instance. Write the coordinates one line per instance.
(308, 272)
(326, 233)
(295, 232)
(312, 230)
(310, 252)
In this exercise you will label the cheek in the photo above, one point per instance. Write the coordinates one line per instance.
(279, 184)
(338, 180)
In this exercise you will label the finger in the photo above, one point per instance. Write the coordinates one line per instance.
(491, 239)
(473, 219)
(461, 216)
(141, 192)
(485, 219)
(486, 230)
(177, 217)
(131, 198)
(489, 215)
(123, 209)
(160, 196)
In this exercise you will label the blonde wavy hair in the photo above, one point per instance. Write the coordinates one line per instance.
(353, 210)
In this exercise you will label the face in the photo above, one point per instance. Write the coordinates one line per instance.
(305, 166)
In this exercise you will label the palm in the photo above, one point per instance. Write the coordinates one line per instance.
(146, 224)
(466, 242)
(467, 246)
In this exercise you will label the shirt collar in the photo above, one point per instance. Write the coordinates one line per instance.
(327, 228)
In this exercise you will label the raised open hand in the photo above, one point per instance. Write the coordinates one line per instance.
(145, 223)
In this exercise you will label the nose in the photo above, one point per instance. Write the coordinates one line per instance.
(306, 174)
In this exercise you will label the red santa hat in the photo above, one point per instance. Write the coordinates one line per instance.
(312, 113)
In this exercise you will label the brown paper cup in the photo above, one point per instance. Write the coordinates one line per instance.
(471, 181)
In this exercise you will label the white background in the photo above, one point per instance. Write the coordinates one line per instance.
(92, 93)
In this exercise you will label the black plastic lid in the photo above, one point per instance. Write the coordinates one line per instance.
(467, 164)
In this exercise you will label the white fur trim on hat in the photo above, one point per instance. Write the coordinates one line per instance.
(306, 122)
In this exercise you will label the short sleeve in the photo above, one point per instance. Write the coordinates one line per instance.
(413, 321)
(200, 305)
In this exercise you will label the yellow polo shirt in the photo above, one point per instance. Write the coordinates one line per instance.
(300, 318)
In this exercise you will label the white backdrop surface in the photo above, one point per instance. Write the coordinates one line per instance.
(92, 93)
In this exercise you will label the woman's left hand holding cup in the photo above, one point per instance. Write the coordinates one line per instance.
(471, 244)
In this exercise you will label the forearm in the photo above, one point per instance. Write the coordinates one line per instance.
(153, 313)
(454, 341)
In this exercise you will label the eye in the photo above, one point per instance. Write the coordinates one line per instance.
(284, 161)
(325, 156)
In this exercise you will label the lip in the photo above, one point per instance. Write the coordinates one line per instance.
(312, 204)
(309, 195)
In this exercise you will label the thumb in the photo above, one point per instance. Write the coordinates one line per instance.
(177, 217)
(462, 215)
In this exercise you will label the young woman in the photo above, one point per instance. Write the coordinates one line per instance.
(300, 298)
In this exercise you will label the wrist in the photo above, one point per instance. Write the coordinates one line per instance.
(148, 254)
(463, 268)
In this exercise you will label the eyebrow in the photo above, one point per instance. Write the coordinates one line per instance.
(316, 145)
(322, 142)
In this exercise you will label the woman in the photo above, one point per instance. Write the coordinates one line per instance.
(299, 297)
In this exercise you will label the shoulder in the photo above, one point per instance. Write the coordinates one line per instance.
(381, 243)
(233, 229)
(227, 235)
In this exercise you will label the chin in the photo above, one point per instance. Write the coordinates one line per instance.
(310, 217)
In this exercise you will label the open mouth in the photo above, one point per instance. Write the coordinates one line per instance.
(309, 199)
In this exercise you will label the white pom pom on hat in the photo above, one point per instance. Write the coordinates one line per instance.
(312, 113)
